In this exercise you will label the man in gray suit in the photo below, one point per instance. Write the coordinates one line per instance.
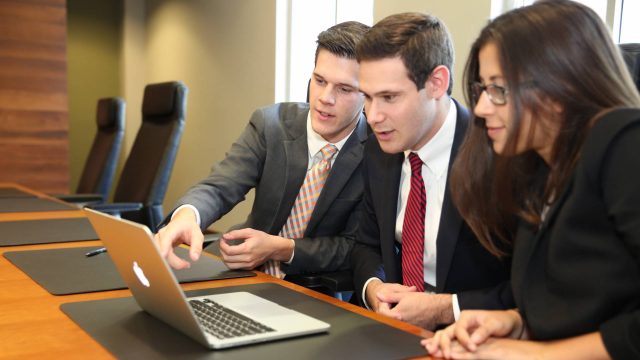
(273, 155)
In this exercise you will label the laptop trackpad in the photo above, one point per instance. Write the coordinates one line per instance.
(263, 310)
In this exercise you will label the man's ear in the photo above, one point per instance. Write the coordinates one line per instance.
(437, 83)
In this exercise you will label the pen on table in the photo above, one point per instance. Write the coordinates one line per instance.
(96, 252)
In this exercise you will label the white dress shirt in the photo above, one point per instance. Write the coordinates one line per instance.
(435, 156)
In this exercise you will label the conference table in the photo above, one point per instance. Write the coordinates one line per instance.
(33, 326)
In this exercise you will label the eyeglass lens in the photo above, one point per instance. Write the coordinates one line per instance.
(496, 93)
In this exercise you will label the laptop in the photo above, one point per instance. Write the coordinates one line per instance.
(249, 318)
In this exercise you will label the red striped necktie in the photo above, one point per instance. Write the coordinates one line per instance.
(413, 228)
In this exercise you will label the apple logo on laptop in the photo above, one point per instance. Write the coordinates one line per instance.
(140, 274)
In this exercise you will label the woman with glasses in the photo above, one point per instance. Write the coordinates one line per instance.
(551, 169)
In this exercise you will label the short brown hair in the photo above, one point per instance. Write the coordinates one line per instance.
(421, 41)
(341, 39)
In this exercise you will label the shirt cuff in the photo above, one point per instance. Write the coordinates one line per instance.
(456, 306)
(293, 252)
(195, 211)
(454, 299)
(364, 292)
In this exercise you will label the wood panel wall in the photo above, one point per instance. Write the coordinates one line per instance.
(34, 148)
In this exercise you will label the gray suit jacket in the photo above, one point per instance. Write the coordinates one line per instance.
(271, 156)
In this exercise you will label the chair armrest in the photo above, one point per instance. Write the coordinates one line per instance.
(307, 280)
(79, 198)
(335, 282)
(338, 281)
(116, 208)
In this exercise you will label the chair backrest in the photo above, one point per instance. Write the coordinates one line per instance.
(147, 170)
(100, 166)
(631, 54)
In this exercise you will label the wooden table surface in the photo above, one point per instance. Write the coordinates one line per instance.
(33, 326)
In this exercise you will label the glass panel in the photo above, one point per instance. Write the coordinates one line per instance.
(630, 26)
(298, 24)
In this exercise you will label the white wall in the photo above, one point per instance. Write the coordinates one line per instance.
(93, 53)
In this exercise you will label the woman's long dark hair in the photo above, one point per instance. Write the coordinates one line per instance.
(553, 54)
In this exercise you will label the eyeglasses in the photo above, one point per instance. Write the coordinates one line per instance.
(497, 94)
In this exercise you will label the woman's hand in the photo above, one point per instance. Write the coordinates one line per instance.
(473, 328)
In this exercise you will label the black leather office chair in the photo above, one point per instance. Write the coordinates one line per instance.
(100, 165)
(145, 176)
(631, 55)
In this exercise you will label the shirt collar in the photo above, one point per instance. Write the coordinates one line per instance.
(436, 153)
(315, 141)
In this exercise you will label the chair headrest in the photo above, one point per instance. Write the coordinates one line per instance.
(110, 113)
(631, 55)
(160, 99)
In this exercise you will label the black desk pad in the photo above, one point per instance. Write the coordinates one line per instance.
(121, 327)
(29, 232)
(213, 248)
(28, 204)
(11, 192)
(69, 271)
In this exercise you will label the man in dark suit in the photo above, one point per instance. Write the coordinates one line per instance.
(414, 258)
(279, 149)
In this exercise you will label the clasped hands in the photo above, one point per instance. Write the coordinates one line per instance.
(482, 334)
(406, 304)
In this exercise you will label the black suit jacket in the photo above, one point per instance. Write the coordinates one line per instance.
(580, 272)
(463, 264)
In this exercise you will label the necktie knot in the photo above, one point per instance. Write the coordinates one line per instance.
(416, 163)
(328, 151)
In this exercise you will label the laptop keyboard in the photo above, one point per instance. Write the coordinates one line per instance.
(224, 323)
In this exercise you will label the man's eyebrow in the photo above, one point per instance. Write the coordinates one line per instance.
(347, 85)
(352, 86)
(386, 93)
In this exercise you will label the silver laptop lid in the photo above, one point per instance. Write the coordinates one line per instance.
(152, 283)
(135, 253)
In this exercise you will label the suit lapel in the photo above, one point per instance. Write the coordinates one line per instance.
(390, 190)
(450, 220)
(528, 241)
(551, 215)
(343, 167)
(296, 155)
